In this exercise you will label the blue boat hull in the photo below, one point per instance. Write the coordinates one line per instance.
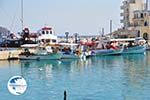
(134, 50)
(106, 52)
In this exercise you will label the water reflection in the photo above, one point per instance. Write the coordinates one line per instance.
(41, 68)
(108, 77)
(135, 74)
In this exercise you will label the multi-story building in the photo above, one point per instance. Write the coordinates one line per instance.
(136, 19)
(141, 24)
(128, 7)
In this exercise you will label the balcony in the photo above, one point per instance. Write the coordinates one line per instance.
(125, 2)
(121, 14)
(121, 21)
(122, 7)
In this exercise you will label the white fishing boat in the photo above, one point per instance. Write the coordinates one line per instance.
(40, 53)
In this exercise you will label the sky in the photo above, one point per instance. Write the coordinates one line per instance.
(85, 17)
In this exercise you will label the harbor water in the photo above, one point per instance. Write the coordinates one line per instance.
(125, 77)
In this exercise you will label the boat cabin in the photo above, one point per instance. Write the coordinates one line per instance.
(47, 36)
(130, 41)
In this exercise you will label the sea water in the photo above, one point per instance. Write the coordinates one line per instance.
(124, 77)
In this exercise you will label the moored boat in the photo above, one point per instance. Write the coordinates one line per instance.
(72, 51)
(132, 45)
(107, 52)
(40, 53)
(135, 50)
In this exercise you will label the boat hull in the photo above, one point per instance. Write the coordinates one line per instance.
(53, 56)
(134, 50)
(70, 56)
(106, 52)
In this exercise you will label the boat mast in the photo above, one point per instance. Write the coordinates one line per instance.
(22, 13)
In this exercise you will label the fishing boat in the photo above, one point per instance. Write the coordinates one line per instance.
(135, 50)
(40, 53)
(132, 45)
(107, 52)
(72, 51)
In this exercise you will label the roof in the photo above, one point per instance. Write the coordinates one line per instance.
(47, 36)
(47, 28)
(127, 39)
(68, 44)
(29, 45)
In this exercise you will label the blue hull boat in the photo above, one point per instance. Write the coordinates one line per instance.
(134, 50)
(106, 52)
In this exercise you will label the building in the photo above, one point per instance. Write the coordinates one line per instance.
(141, 24)
(4, 31)
(135, 19)
(128, 7)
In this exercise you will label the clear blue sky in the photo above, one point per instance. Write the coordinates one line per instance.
(82, 16)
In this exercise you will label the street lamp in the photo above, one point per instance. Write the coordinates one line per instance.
(67, 36)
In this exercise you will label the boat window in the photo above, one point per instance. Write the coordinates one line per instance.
(43, 32)
(8, 42)
(47, 40)
(51, 32)
(53, 40)
(47, 32)
(16, 42)
(42, 40)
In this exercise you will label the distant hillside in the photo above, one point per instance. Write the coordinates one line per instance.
(4, 31)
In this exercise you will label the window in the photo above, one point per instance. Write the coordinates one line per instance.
(145, 23)
(53, 40)
(138, 34)
(145, 36)
(142, 15)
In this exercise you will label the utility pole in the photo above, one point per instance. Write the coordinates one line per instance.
(103, 31)
(67, 36)
(22, 14)
(110, 26)
(146, 4)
